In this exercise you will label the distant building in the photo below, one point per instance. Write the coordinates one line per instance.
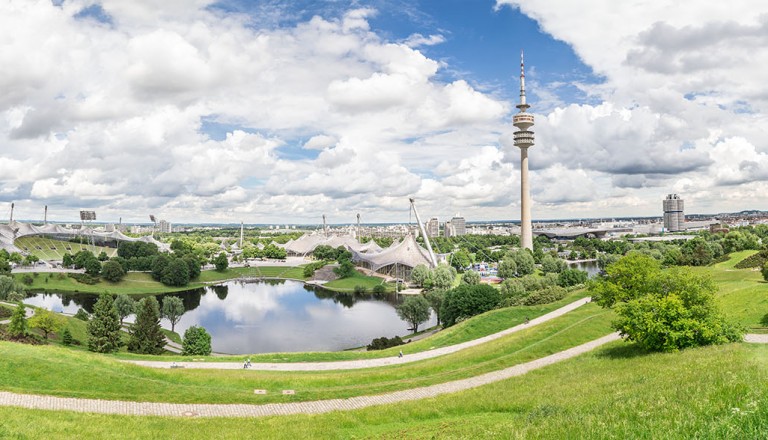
(459, 225)
(433, 227)
(448, 229)
(164, 226)
(674, 218)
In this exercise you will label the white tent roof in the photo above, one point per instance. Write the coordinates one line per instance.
(406, 253)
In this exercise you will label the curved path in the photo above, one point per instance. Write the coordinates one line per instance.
(272, 409)
(366, 363)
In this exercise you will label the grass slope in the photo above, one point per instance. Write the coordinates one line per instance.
(48, 249)
(27, 369)
(615, 392)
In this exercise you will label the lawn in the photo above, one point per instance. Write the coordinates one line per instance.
(27, 369)
(614, 392)
(357, 279)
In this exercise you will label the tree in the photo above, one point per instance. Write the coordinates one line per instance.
(345, 269)
(513, 291)
(112, 271)
(67, 260)
(571, 277)
(470, 277)
(46, 321)
(93, 267)
(82, 257)
(31, 259)
(466, 301)
(659, 309)
(524, 261)
(176, 273)
(420, 275)
(443, 277)
(104, 326)
(436, 299)
(103, 256)
(414, 310)
(159, 263)
(550, 264)
(173, 308)
(764, 271)
(10, 289)
(460, 260)
(125, 306)
(146, 335)
(507, 268)
(221, 262)
(193, 264)
(66, 337)
(197, 342)
(18, 326)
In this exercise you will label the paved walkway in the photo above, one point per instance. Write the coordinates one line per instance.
(29, 312)
(316, 407)
(367, 363)
(755, 338)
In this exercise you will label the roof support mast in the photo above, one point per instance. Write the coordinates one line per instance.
(423, 233)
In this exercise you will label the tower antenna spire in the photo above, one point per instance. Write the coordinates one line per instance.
(524, 139)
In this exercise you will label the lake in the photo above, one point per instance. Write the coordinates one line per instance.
(271, 316)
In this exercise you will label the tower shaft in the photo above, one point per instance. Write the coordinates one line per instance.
(524, 140)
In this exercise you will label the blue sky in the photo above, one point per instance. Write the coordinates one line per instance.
(281, 111)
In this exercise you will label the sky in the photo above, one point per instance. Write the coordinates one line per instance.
(268, 111)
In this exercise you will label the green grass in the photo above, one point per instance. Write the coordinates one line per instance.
(48, 249)
(27, 369)
(357, 279)
(743, 294)
(614, 392)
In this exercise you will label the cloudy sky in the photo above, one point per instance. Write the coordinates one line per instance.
(275, 111)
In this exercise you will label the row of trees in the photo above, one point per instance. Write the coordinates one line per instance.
(145, 335)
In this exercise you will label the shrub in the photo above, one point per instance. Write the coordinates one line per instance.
(82, 315)
(757, 260)
(379, 288)
(544, 296)
(27, 279)
(83, 278)
(466, 301)
(66, 337)
(384, 342)
(197, 342)
(309, 269)
(571, 277)
(360, 289)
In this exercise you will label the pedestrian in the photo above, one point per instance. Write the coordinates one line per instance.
(245, 364)
(249, 362)
(527, 320)
(400, 354)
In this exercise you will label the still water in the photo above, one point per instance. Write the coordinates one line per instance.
(271, 316)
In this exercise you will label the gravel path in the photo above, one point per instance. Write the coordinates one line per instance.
(366, 363)
(755, 338)
(316, 407)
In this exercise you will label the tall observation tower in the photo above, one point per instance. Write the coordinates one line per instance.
(524, 139)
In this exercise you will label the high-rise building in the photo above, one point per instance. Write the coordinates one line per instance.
(674, 218)
(164, 226)
(448, 230)
(523, 140)
(433, 227)
(459, 225)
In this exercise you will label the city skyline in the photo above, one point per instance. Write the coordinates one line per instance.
(267, 113)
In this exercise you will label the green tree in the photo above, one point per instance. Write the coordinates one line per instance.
(196, 342)
(512, 291)
(420, 275)
(628, 278)
(550, 264)
(18, 326)
(125, 306)
(507, 268)
(46, 321)
(176, 273)
(146, 335)
(66, 337)
(436, 299)
(193, 264)
(104, 326)
(460, 260)
(221, 262)
(345, 269)
(443, 277)
(103, 256)
(10, 289)
(93, 267)
(173, 309)
(414, 310)
(466, 301)
(159, 263)
(470, 277)
(67, 260)
(524, 262)
(764, 271)
(112, 271)
(571, 277)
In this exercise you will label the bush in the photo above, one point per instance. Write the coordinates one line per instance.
(82, 315)
(197, 342)
(83, 278)
(309, 269)
(379, 288)
(544, 296)
(757, 260)
(571, 277)
(384, 342)
(466, 301)
(360, 289)
(27, 279)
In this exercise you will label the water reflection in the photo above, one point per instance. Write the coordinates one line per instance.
(271, 316)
